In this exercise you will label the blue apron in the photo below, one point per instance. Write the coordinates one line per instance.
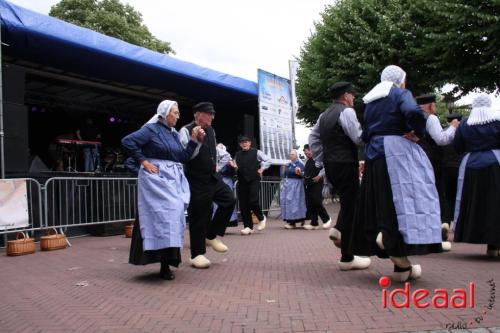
(162, 200)
(293, 199)
(414, 191)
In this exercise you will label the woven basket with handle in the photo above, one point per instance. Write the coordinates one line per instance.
(22, 245)
(53, 241)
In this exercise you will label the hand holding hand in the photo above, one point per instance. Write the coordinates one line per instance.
(201, 134)
(198, 134)
(194, 133)
(316, 179)
(455, 123)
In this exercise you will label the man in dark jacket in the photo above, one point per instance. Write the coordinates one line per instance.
(313, 185)
(250, 164)
(206, 187)
(333, 142)
(432, 143)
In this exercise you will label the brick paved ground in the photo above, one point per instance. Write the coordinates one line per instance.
(275, 281)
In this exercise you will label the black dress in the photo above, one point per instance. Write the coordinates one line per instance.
(375, 212)
(395, 114)
(479, 212)
(171, 255)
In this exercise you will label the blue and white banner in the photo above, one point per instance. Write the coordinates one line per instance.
(275, 116)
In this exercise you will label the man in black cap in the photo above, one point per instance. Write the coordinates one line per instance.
(435, 137)
(313, 185)
(206, 187)
(333, 142)
(250, 164)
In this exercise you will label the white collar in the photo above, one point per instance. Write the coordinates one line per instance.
(381, 90)
(482, 115)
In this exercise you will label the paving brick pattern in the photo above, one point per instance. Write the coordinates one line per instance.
(273, 281)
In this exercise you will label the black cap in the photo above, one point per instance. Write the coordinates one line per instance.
(425, 99)
(243, 138)
(452, 116)
(340, 88)
(204, 107)
(306, 146)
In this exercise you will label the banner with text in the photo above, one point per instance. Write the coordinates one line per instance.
(275, 116)
(13, 204)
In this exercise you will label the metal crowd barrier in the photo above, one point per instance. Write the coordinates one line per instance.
(80, 201)
(34, 206)
(269, 196)
(72, 202)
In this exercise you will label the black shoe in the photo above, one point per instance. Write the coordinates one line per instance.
(166, 273)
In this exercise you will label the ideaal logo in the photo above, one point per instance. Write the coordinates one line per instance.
(461, 298)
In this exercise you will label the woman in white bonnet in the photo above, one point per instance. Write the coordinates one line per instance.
(477, 209)
(293, 198)
(163, 191)
(397, 214)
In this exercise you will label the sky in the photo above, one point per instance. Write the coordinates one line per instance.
(231, 36)
(234, 37)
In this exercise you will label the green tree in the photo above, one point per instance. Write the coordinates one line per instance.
(111, 18)
(356, 39)
(461, 41)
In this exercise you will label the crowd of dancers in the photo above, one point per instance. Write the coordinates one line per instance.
(395, 212)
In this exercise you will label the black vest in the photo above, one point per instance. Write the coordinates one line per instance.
(248, 165)
(310, 171)
(337, 146)
(204, 164)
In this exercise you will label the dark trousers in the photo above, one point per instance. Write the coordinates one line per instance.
(248, 198)
(450, 179)
(438, 176)
(314, 203)
(345, 179)
(201, 223)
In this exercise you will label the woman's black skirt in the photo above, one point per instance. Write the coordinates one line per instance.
(479, 218)
(171, 255)
(375, 213)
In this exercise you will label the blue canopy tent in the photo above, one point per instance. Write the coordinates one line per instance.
(53, 49)
(51, 42)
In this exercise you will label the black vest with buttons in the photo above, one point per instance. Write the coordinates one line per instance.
(248, 165)
(203, 166)
(337, 146)
(310, 171)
